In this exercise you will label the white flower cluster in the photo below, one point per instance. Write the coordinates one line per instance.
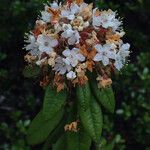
(73, 35)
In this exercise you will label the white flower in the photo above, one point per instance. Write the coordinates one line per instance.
(118, 62)
(68, 32)
(124, 51)
(121, 56)
(74, 39)
(73, 36)
(46, 43)
(106, 19)
(105, 53)
(69, 13)
(31, 44)
(71, 75)
(46, 16)
(60, 66)
(96, 19)
(73, 57)
(54, 5)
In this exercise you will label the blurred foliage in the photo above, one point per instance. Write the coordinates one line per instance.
(20, 98)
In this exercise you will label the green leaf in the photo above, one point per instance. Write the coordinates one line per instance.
(84, 96)
(41, 128)
(60, 144)
(109, 146)
(104, 96)
(53, 102)
(31, 71)
(89, 112)
(54, 136)
(78, 140)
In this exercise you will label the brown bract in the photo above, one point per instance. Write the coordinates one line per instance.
(89, 54)
(30, 58)
(39, 28)
(72, 126)
(59, 82)
(55, 15)
(86, 13)
(45, 81)
(81, 80)
(103, 82)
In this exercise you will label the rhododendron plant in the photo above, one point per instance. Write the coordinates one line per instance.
(76, 49)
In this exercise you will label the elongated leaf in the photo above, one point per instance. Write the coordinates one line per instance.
(54, 136)
(53, 102)
(60, 144)
(90, 113)
(78, 140)
(104, 96)
(41, 128)
(109, 146)
(84, 96)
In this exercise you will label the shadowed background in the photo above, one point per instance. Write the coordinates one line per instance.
(21, 98)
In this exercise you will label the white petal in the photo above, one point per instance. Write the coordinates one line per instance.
(66, 61)
(66, 52)
(62, 71)
(54, 42)
(80, 57)
(68, 67)
(77, 36)
(74, 62)
(68, 33)
(72, 40)
(65, 13)
(105, 61)
(111, 54)
(54, 5)
(74, 8)
(71, 75)
(125, 46)
(99, 47)
(46, 16)
(71, 17)
(98, 57)
(40, 39)
(118, 65)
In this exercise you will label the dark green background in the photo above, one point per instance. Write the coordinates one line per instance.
(20, 98)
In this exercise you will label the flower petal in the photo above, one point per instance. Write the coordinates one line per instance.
(98, 57)
(80, 57)
(54, 42)
(98, 47)
(105, 60)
